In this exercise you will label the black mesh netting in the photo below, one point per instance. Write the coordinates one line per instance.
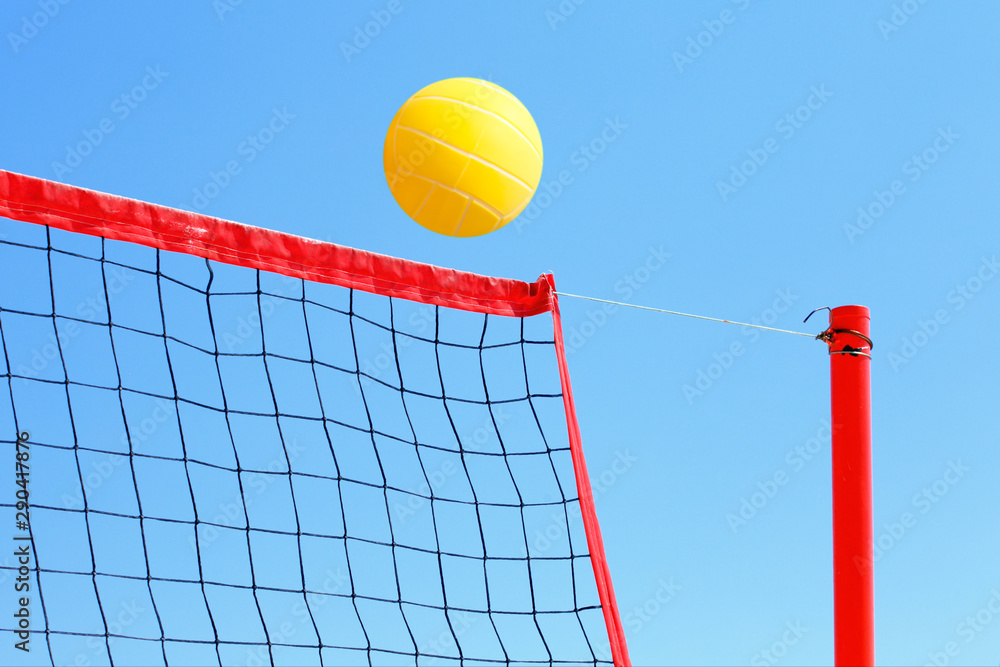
(228, 466)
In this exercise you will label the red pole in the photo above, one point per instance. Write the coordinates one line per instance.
(853, 567)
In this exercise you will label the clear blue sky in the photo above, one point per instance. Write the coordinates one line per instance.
(652, 109)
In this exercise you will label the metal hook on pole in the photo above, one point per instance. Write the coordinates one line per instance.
(827, 336)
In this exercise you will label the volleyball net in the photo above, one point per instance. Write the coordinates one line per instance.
(229, 445)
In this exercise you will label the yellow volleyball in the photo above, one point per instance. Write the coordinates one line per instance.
(463, 157)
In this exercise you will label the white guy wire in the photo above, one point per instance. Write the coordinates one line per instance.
(674, 312)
